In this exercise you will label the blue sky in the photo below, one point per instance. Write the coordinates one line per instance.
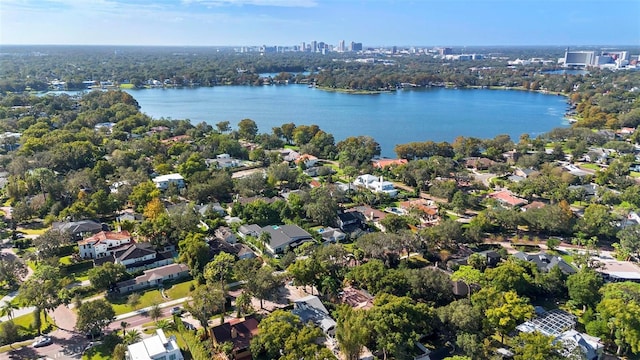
(289, 22)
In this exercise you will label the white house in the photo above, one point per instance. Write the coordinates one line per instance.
(162, 182)
(223, 161)
(376, 184)
(103, 244)
(157, 347)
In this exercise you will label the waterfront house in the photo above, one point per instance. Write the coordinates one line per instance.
(384, 163)
(307, 159)
(376, 184)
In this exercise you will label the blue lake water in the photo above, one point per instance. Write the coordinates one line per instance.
(390, 118)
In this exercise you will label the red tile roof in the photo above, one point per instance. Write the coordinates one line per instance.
(105, 235)
(383, 163)
(507, 197)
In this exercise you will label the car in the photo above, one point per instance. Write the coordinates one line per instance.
(95, 334)
(189, 326)
(177, 310)
(42, 341)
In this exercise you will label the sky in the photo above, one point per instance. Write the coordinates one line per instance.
(291, 22)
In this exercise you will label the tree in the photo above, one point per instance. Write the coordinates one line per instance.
(470, 345)
(620, 308)
(396, 323)
(508, 311)
(511, 275)
(468, 275)
(133, 300)
(142, 194)
(351, 331)
(597, 220)
(357, 151)
(153, 209)
(394, 223)
(43, 288)
(12, 270)
(264, 284)
(102, 277)
(49, 242)
(535, 346)
(461, 316)
(583, 287)
(8, 332)
(223, 126)
(155, 312)
(119, 352)
(207, 300)
(281, 335)
(93, 316)
(247, 129)
(194, 252)
(630, 240)
(219, 269)
(8, 307)
(131, 337)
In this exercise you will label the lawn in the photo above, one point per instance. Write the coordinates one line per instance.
(27, 231)
(127, 86)
(151, 297)
(180, 290)
(591, 166)
(635, 174)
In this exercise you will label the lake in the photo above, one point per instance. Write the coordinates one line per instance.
(391, 118)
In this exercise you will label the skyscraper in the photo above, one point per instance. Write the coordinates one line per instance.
(341, 47)
(314, 46)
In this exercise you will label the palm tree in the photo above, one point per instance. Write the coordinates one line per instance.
(8, 308)
(164, 325)
(123, 325)
(243, 302)
(155, 312)
(131, 337)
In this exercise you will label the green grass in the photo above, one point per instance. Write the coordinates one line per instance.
(180, 290)
(635, 174)
(127, 86)
(147, 299)
(591, 166)
(66, 260)
(14, 346)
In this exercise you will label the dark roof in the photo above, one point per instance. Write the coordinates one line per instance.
(244, 332)
(285, 234)
(76, 227)
(546, 262)
(134, 251)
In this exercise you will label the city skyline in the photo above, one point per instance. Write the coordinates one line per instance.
(290, 22)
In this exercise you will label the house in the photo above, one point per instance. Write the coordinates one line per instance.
(252, 230)
(239, 250)
(223, 161)
(157, 347)
(129, 216)
(478, 163)
(525, 173)
(631, 219)
(289, 155)
(575, 171)
(376, 184)
(533, 205)
(307, 159)
(225, 234)
(560, 325)
(213, 207)
(176, 139)
(78, 229)
(239, 332)
(314, 184)
(285, 236)
(429, 211)
(384, 163)
(507, 199)
(356, 298)
(163, 181)
(546, 262)
(138, 257)
(350, 221)
(331, 235)
(370, 214)
(310, 308)
(615, 270)
(103, 244)
(153, 277)
(591, 346)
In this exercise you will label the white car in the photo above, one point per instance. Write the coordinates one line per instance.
(42, 341)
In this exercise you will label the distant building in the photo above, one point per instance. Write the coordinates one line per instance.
(579, 58)
(157, 347)
(162, 182)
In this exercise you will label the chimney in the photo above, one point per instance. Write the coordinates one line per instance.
(234, 332)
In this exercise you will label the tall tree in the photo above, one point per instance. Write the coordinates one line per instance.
(535, 346)
(101, 277)
(207, 300)
(351, 331)
(507, 312)
(194, 251)
(94, 316)
(583, 287)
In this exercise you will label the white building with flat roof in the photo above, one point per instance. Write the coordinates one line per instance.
(157, 347)
(163, 181)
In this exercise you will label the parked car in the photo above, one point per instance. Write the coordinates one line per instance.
(91, 335)
(189, 326)
(177, 310)
(42, 341)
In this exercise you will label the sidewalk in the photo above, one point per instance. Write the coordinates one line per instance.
(148, 308)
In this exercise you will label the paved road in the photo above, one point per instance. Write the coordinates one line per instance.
(67, 344)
